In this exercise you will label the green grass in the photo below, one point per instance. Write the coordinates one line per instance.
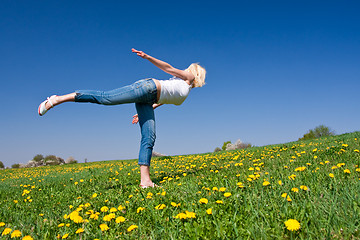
(36, 200)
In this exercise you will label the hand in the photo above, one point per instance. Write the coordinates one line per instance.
(135, 119)
(139, 53)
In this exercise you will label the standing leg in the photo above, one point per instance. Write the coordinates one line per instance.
(147, 126)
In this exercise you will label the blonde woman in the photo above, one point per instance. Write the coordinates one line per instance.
(147, 94)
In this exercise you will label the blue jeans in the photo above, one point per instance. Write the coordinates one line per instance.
(143, 93)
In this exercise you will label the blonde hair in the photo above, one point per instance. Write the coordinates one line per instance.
(199, 73)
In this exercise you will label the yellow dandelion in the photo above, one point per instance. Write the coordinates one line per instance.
(132, 227)
(61, 225)
(284, 195)
(65, 236)
(292, 225)
(15, 234)
(121, 208)
(203, 200)
(280, 182)
(295, 189)
(227, 194)
(222, 189)
(104, 227)
(140, 209)
(288, 199)
(2, 224)
(331, 175)
(80, 230)
(347, 171)
(94, 195)
(104, 209)
(215, 189)
(190, 214)
(6, 231)
(120, 219)
(27, 238)
(303, 187)
(209, 211)
(300, 169)
(266, 183)
(175, 204)
(112, 210)
(160, 206)
(219, 202)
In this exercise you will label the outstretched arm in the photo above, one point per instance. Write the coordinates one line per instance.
(187, 76)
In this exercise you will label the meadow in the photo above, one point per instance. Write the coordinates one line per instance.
(298, 190)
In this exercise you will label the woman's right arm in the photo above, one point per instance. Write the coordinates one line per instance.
(187, 76)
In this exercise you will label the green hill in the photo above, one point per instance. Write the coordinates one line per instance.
(247, 194)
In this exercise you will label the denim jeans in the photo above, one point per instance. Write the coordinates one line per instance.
(143, 93)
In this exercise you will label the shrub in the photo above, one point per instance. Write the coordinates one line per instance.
(217, 149)
(1, 165)
(50, 158)
(319, 131)
(38, 158)
(16, 165)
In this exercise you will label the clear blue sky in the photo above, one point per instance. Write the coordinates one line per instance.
(275, 70)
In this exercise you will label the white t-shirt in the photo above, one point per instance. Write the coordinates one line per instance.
(174, 91)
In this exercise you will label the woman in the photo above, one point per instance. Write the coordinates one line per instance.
(147, 95)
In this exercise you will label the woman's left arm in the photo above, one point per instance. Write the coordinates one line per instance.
(166, 67)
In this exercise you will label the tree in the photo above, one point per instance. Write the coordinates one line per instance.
(16, 165)
(224, 145)
(38, 158)
(1, 165)
(319, 131)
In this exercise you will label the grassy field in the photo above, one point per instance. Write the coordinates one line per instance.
(247, 194)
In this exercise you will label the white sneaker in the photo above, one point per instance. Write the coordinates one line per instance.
(42, 109)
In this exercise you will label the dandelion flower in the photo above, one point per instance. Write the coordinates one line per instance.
(15, 234)
(80, 230)
(140, 209)
(65, 236)
(27, 238)
(303, 187)
(6, 231)
(295, 189)
(222, 189)
(266, 183)
(190, 214)
(347, 171)
(160, 206)
(203, 200)
(215, 189)
(132, 227)
(209, 211)
(331, 175)
(280, 182)
(2, 224)
(104, 209)
(120, 219)
(104, 227)
(61, 225)
(292, 225)
(219, 202)
(227, 194)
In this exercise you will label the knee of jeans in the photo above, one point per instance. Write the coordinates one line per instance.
(149, 141)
